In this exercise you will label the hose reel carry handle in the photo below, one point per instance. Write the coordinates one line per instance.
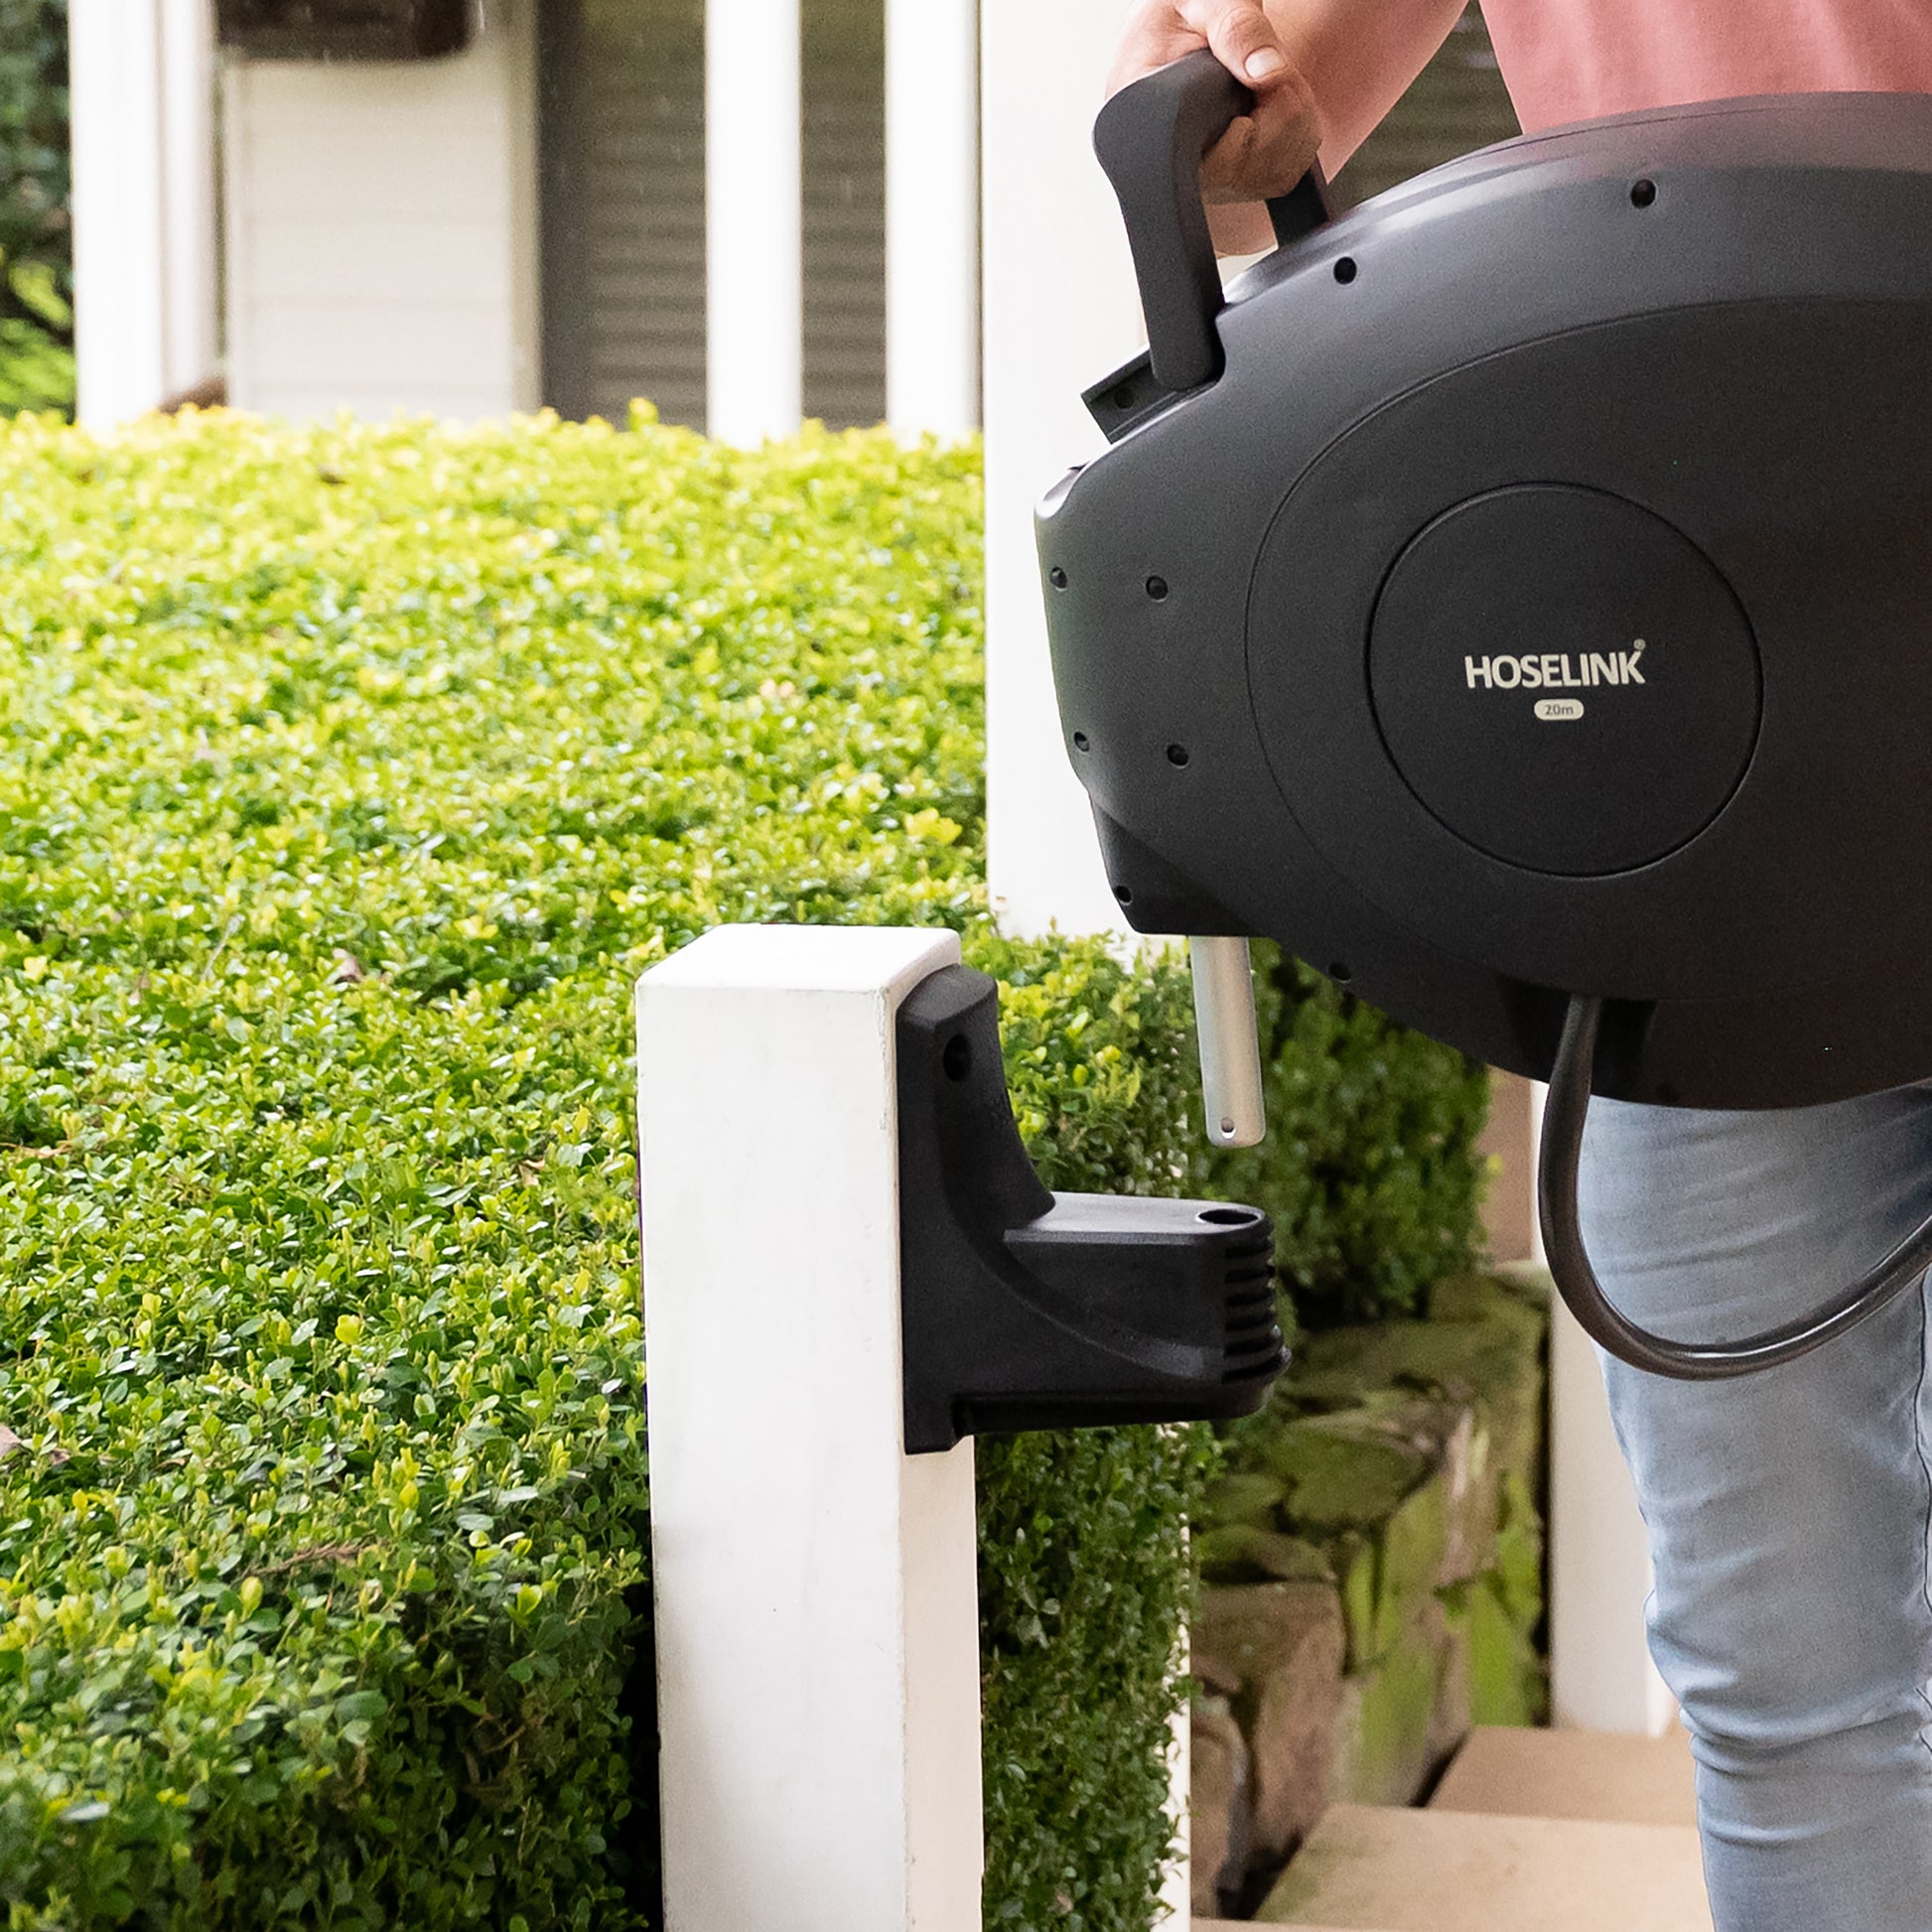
(1149, 138)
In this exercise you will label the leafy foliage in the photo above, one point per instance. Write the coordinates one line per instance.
(1083, 1559)
(1370, 1167)
(347, 779)
(1084, 1591)
(36, 237)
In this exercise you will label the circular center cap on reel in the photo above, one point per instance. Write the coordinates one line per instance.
(1567, 682)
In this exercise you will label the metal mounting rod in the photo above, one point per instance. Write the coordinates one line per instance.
(1230, 1048)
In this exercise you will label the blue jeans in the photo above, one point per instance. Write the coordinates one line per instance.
(1789, 1512)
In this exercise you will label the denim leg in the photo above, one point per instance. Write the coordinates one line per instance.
(1789, 1512)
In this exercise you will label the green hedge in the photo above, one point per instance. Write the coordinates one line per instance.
(36, 233)
(347, 779)
(1084, 1569)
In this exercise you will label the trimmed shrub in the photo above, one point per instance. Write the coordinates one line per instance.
(1084, 1587)
(1370, 1166)
(1084, 1569)
(36, 234)
(347, 779)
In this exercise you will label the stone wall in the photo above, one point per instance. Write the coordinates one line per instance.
(1372, 1576)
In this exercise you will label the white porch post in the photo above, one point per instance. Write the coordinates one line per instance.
(1061, 311)
(933, 215)
(1601, 1674)
(816, 1589)
(754, 221)
(188, 208)
(142, 79)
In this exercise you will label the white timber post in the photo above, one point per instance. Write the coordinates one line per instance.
(754, 221)
(142, 81)
(932, 213)
(1060, 312)
(190, 301)
(815, 1587)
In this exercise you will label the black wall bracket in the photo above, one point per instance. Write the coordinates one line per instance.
(1023, 1309)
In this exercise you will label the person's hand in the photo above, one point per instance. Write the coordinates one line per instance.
(1263, 154)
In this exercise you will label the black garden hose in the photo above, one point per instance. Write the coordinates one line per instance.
(1575, 1279)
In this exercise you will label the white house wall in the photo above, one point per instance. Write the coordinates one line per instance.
(1060, 310)
(381, 231)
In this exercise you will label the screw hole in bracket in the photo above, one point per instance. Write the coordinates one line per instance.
(1176, 755)
(1081, 741)
(1125, 893)
(1643, 193)
(1058, 577)
(1156, 587)
(1345, 270)
(956, 1060)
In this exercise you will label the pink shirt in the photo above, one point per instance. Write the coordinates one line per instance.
(1574, 59)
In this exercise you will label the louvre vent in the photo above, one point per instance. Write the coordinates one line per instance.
(624, 209)
(1251, 1347)
(843, 86)
(622, 125)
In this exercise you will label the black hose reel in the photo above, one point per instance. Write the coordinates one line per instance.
(1515, 598)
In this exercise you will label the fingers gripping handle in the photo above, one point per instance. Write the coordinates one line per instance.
(1151, 138)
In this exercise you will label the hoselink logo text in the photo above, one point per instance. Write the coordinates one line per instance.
(1552, 672)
